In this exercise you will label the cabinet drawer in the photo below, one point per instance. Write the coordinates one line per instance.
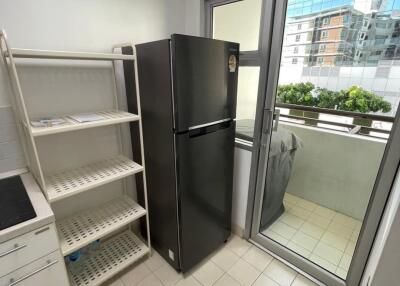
(26, 248)
(46, 271)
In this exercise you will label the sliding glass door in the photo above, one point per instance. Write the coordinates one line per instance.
(329, 126)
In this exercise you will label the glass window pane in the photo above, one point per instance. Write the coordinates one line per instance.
(247, 101)
(247, 92)
(238, 22)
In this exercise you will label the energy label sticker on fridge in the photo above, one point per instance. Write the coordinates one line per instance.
(232, 63)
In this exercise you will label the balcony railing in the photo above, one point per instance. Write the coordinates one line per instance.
(373, 125)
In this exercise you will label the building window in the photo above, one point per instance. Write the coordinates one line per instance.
(296, 50)
(322, 48)
(381, 25)
(297, 38)
(298, 26)
(346, 19)
(343, 34)
(324, 35)
(309, 36)
(338, 60)
(325, 21)
(320, 60)
(294, 61)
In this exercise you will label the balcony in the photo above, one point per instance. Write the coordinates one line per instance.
(330, 180)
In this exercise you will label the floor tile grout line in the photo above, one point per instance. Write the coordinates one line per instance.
(194, 277)
(262, 272)
(294, 279)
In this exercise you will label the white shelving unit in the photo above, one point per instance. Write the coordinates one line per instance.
(79, 230)
(113, 256)
(72, 182)
(111, 117)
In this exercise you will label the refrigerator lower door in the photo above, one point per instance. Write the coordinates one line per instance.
(205, 175)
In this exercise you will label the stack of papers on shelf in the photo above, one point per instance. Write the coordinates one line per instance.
(48, 122)
(86, 117)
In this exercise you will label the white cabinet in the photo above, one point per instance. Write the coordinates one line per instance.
(26, 248)
(33, 258)
(46, 271)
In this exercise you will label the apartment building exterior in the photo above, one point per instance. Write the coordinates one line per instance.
(341, 32)
(322, 38)
(378, 39)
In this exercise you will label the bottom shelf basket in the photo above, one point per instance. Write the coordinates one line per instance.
(113, 256)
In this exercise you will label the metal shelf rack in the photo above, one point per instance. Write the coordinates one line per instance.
(85, 227)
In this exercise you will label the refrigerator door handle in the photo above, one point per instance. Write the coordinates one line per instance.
(210, 128)
(209, 124)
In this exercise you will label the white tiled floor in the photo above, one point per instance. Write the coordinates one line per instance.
(322, 235)
(238, 263)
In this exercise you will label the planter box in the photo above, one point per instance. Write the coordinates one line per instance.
(363, 122)
(305, 114)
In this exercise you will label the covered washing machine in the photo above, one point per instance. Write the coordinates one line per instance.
(283, 147)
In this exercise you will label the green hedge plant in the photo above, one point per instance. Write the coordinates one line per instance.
(354, 98)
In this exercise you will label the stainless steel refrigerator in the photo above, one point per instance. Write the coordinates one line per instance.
(188, 91)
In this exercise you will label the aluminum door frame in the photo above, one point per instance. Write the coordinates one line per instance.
(381, 191)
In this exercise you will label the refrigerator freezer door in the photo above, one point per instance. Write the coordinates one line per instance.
(205, 175)
(204, 80)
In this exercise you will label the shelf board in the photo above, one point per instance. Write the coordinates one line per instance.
(64, 55)
(113, 256)
(72, 182)
(83, 228)
(111, 117)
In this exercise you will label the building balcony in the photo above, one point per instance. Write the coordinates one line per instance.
(335, 162)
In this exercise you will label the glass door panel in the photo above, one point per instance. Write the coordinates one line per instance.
(334, 105)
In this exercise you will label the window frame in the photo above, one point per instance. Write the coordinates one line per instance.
(256, 58)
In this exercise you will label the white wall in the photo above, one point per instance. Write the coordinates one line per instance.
(241, 176)
(194, 12)
(63, 86)
(91, 25)
(335, 169)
